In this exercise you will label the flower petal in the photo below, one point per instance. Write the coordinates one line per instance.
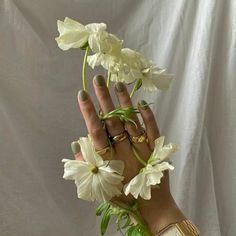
(88, 151)
(161, 80)
(135, 185)
(73, 168)
(84, 188)
(72, 34)
(116, 166)
(161, 153)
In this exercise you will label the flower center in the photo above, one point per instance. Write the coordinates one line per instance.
(94, 169)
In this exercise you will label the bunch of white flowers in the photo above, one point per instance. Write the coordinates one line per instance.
(123, 64)
(95, 178)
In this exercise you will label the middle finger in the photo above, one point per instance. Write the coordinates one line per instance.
(114, 125)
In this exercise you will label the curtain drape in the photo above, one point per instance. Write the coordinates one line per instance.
(39, 117)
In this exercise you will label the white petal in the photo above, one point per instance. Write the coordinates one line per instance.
(84, 188)
(72, 34)
(154, 178)
(93, 60)
(111, 178)
(166, 151)
(145, 192)
(94, 27)
(116, 166)
(135, 185)
(72, 24)
(88, 152)
(161, 152)
(148, 85)
(162, 81)
(73, 168)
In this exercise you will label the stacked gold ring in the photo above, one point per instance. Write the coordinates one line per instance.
(120, 137)
(139, 138)
(104, 150)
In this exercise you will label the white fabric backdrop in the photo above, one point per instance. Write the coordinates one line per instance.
(195, 40)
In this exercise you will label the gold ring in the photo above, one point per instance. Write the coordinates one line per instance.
(139, 138)
(120, 137)
(103, 150)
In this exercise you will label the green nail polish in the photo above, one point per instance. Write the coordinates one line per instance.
(83, 95)
(120, 86)
(143, 104)
(75, 147)
(99, 80)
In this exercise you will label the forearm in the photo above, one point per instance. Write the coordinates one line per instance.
(159, 216)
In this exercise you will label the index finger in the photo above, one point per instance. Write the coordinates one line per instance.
(93, 123)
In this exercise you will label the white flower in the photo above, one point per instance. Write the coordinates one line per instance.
(95, 178)
(134, 66)
(100, 41)
(152, 173)
(155, 78)
(107, 48)
(72, 34)
(75, 35)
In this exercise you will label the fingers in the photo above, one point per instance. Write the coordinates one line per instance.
(93, 123)
(76, 150)
(125, 101)
(150, 123)
(114, 125)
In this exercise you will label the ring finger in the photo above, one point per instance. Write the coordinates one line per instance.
(125, 101)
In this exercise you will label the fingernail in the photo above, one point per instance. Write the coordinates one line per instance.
(120, 86)
(83, 95)
(143, 104)
(99, 80)
(75, 147)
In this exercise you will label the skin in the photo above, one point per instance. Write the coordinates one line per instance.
(161, 210)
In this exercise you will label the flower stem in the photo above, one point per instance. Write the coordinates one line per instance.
(135, 214)
(84, 69)
(137, 85)
(108, 79)
(138, 157)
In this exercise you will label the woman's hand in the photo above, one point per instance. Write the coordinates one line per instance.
(161, 209)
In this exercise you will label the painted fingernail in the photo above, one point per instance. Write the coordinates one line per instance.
(143, 104)
(75, 147)
(120, 86)
(99, 80)
(83, 95)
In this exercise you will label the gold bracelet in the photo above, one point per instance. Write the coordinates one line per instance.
(183, 228)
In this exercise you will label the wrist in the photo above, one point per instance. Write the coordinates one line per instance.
(158, 216)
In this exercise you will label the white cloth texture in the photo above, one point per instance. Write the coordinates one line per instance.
(39, 116)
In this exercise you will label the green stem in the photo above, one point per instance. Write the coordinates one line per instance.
(108, 79)
(138, 157)
(135, 88)
(136, 216)
(84, 69)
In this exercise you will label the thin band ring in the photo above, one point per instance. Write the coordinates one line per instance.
(139, 138)
(104, 150)
(120, 137)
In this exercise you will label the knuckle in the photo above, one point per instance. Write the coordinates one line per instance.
(149, 117)
(112, 123)
(96, 132)
(103, 96)
(87, 109)
(126, 101)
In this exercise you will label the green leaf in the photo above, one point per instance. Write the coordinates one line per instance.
(139, 84)
(101, 208)
(127, 223)
(130, 231)
(105, 221)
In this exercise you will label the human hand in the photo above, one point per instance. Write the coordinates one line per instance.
(161, 202)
